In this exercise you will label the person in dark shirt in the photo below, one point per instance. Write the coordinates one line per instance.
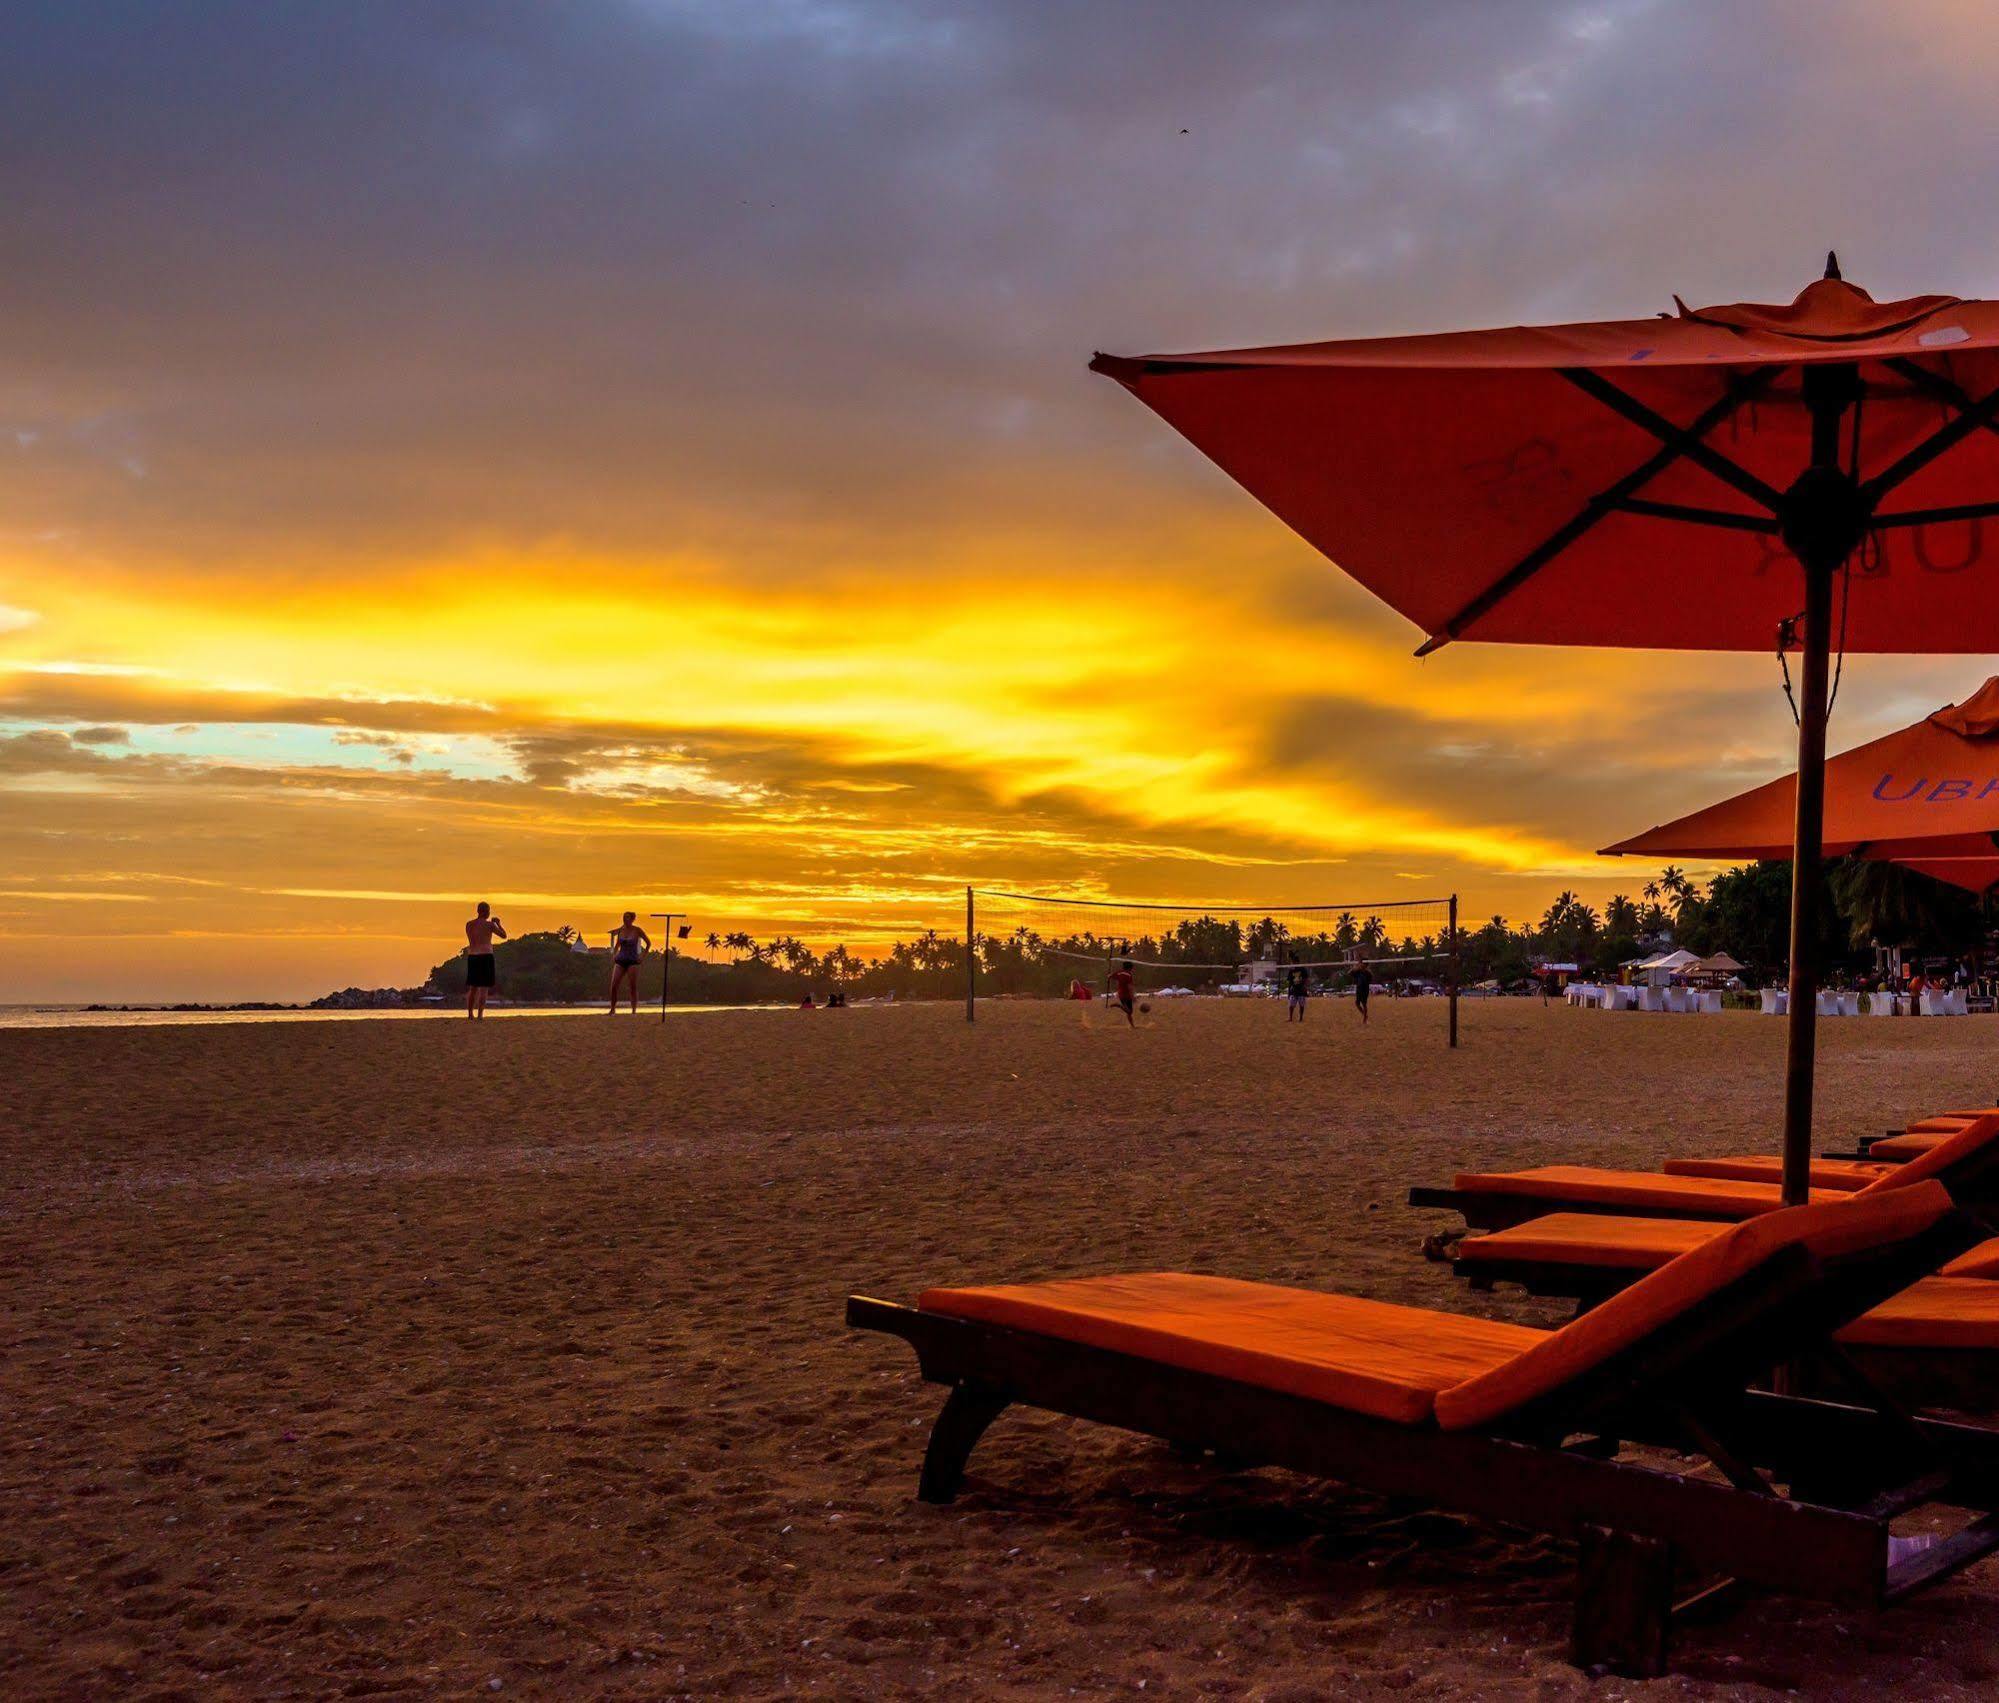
(1299, 985)
(1363, 980)
(1121, 989)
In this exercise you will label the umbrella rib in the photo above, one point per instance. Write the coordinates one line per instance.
(1934, 384)
(1678, 441)
(1730, 518)
(1677, 437)
(1952, 432)
(1929, 517)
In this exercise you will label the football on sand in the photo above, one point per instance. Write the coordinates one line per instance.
(1145, 1005)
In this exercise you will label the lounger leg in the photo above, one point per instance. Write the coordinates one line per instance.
(1624, 1603)
(968, 1410)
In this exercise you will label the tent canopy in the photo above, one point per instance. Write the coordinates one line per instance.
(1533, 484)
(1927, 797)
(1681, 959)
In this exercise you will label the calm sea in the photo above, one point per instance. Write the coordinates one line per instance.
(77, 1017)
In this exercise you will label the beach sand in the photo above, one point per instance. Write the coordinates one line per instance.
(404, 1358)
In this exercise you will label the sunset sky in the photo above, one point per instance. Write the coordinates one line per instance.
(635, 451)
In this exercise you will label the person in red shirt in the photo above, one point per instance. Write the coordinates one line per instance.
(1121, 989)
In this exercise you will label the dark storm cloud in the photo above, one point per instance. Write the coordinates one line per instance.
(718, 274)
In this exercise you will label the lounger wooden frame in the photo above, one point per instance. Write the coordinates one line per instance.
(1555, 1466)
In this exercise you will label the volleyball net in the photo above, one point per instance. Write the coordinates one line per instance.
(1027, 944)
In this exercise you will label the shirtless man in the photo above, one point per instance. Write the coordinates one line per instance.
(480, 933)
(629, 943)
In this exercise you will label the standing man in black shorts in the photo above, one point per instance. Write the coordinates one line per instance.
(480, 933)
(1121, 987)
(1363, 980)
(1298, 985)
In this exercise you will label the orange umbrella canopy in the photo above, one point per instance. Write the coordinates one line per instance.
(1926, 797)
(1533, 484)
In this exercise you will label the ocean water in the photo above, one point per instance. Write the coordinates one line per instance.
(78, 1017)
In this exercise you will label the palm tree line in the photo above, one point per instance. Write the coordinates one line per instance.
(1745, 911)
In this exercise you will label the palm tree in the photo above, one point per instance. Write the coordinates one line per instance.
(713, 942)
(1887, 905)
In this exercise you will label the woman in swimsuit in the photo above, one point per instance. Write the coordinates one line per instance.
(628, 945)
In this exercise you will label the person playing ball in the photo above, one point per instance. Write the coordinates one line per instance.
(1121, 989)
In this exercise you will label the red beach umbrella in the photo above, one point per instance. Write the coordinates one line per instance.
(1926, 797)
(1725, 478)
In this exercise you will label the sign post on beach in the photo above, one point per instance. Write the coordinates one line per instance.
(1451, 975)
(666, 953)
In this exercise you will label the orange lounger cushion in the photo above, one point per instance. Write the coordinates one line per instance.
(1924, 1134)
(1721, 1196)
(1365, 1356)
(1640, 1244)
(1939, 1312)
(1592, 1239)
(1981, 1261)
(1848, 1175)
(1981, 1132)
(1846, 1225)
(1912, 1146)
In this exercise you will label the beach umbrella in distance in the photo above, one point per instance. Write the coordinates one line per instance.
(1743, 477)
(1926, 797)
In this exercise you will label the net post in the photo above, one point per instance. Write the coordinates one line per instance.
(1451, 974)
(971, 985)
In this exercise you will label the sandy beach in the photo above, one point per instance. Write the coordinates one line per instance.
(375, 1359)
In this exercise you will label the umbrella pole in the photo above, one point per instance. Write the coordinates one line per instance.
(1823, 520)
(1807, 876)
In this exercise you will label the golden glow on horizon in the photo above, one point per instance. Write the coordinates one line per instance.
(831, 754)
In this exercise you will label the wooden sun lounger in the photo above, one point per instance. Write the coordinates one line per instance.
(1936, 1344)
(1838, 1176)
(1528, 1428)
(1874, 1156)
(1912, 1139)
(1966, 1162)
(1587, 1256)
